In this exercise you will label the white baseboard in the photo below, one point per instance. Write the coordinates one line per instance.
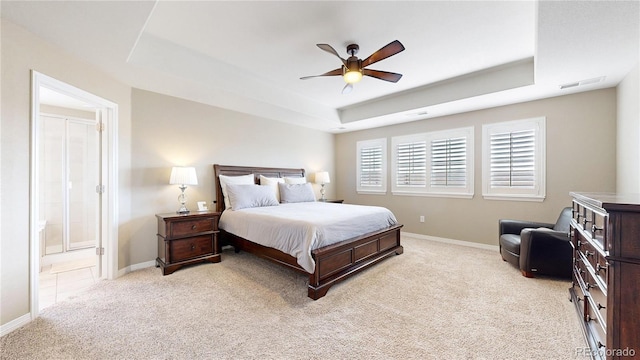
(15, 324)
(452, 241)
(135, 267)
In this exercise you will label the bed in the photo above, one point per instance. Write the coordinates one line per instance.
(331, 263)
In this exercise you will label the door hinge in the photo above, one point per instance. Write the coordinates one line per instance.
(100, 127)
(100, 189)
(99, 251)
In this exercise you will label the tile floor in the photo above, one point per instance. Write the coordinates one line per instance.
(57, 287)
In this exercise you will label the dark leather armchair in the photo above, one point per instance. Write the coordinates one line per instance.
(536, 247)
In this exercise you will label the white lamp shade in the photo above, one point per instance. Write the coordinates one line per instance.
(183, 176)
(322, 177)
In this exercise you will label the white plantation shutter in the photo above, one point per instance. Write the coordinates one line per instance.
(371, 166)
(411, 160)
(449, 162)
(438, 163)
(513, 159)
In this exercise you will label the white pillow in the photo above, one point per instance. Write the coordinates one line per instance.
(295, 180)
(273, 183)
(293, 193)
(225, 180)
(248, 196)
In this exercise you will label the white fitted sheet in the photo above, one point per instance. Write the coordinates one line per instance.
(299, 228)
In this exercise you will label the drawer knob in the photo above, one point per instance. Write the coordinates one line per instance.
(600, 344)
(589, 286)
(600, 307)
(589, 253)
(600, 267)
(193, 227)
(594, 228)
(585, 221)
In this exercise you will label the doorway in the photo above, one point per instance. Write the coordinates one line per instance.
(73, 187)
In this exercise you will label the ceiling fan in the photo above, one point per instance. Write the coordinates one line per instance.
(353, 69)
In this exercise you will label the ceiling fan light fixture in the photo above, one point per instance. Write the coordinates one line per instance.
(352, 76)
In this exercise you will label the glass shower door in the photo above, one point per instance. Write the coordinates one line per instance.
(69, 173)
(83, 176)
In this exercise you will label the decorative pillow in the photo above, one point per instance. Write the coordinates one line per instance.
(248, 196)
(293, 193)
(295, 180)
(273, 183)
(225, 180)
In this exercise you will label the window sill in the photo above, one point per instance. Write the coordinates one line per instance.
(431, 194)
(502, 197)
(369, 192)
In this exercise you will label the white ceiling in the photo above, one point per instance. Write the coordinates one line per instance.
(249, 56)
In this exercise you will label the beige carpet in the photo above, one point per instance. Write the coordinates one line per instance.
(435, 301)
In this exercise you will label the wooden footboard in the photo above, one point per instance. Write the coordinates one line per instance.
(334, 263)
(339, 261)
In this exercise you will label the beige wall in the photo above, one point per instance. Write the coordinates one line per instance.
(628, 155)
(168, 131)
(581, 153)
(22, 52)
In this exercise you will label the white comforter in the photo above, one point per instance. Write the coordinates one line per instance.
(298, 228)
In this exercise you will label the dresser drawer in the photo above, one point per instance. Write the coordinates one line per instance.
(190, 227)
(596, 324)
(599, 304)
(189, 248)
(592, 223)
(596, 259)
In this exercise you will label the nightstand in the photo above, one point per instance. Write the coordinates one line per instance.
(187, 239)
(331, 201)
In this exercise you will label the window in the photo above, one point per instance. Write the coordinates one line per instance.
(434, 164)
(514, 160)
(372, 166)
(449, 162)
(411, 163)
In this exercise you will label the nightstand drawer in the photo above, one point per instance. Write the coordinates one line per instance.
(189, 248)
(190, 227)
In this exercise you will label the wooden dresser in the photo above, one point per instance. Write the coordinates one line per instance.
(187, 239)
(605, 234)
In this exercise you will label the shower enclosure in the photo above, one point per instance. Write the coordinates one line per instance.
(68, 174)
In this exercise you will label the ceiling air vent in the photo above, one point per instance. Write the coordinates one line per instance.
(583, 82)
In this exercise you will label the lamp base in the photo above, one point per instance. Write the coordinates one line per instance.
(182, 199)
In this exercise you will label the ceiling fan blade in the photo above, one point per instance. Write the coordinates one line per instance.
(331, 50)
(336, 72)
(382, 75)
(347, 89)
(390, 49)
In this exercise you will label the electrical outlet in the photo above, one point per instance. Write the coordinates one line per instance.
(421, 218)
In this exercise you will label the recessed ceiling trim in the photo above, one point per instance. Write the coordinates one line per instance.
(504, 77)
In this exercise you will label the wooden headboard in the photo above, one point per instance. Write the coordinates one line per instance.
(230, 170)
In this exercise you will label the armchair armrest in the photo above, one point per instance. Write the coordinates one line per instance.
(550, 249)
(508, 226)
